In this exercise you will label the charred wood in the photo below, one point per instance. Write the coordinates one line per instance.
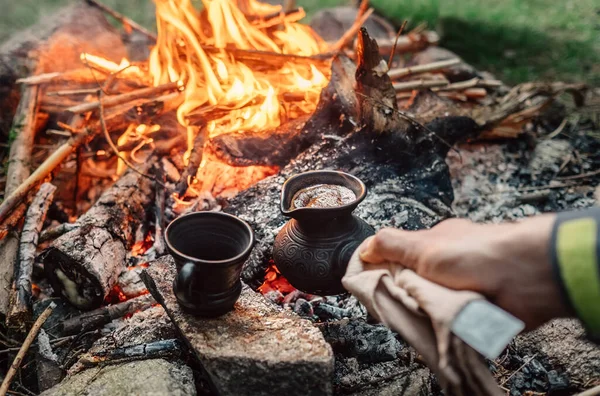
(194, 162)
(99, 317)
(159, 349)
(83, 265)
(20, 309)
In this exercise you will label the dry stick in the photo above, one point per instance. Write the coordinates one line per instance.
(396, 43)
(42, 172)
(18, 170)
(114, 147)
(71, 92)
(472, 83)
(124, 98)
(123, 19)
(418, 84)
(28, 341)
(19, 310)
(351, 33)
(428, 67)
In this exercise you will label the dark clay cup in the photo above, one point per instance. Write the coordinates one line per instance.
(209, 249)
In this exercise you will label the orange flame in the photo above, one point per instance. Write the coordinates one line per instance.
(216, 80)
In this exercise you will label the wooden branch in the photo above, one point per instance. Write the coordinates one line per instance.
(351, 33)
(19, 312)
(194, 162)
(12, 222)
(99, 317)
(418, 84)
(19, 162)
(391, 58)
(123, 19)
(428, 67)
(115, 100)
(24, 348)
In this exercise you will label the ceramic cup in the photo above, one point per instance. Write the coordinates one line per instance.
(209, 249)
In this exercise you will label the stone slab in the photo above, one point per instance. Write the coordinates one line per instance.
(153, 377)
(256, 349)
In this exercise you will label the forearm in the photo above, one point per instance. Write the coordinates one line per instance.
(575, 252)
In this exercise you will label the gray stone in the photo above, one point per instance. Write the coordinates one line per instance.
(564, 344)
(256, 349)
(144, 378)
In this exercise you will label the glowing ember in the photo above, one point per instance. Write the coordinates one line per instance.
(275, 281)
(140, 247)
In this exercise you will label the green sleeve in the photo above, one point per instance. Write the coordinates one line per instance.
(575, 256)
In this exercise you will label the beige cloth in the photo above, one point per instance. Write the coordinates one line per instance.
(422, 313)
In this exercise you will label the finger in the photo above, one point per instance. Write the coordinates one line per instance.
(391, 245)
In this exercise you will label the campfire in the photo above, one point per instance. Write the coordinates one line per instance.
(232, 99)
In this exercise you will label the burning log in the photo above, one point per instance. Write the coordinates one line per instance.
(19, 311)
(18, 171)
(99, 317)
(83, 265)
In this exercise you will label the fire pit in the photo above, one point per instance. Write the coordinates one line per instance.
(231, 102)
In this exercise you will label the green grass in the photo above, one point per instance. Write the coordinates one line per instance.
(519, 40)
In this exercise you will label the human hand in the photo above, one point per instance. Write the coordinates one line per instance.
(508, 263)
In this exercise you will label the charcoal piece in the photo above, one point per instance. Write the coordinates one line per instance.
(365, 342)
(145, 377)
(257, 349)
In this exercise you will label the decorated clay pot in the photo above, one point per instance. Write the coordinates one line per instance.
(313, 249)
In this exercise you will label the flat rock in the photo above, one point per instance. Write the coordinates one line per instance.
(146, 377)
(256, 349)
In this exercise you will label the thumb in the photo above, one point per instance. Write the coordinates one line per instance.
(392, 245)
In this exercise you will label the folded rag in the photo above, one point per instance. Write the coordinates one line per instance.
(422, 313)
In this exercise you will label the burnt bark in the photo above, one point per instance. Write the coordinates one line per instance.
(83, 265)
